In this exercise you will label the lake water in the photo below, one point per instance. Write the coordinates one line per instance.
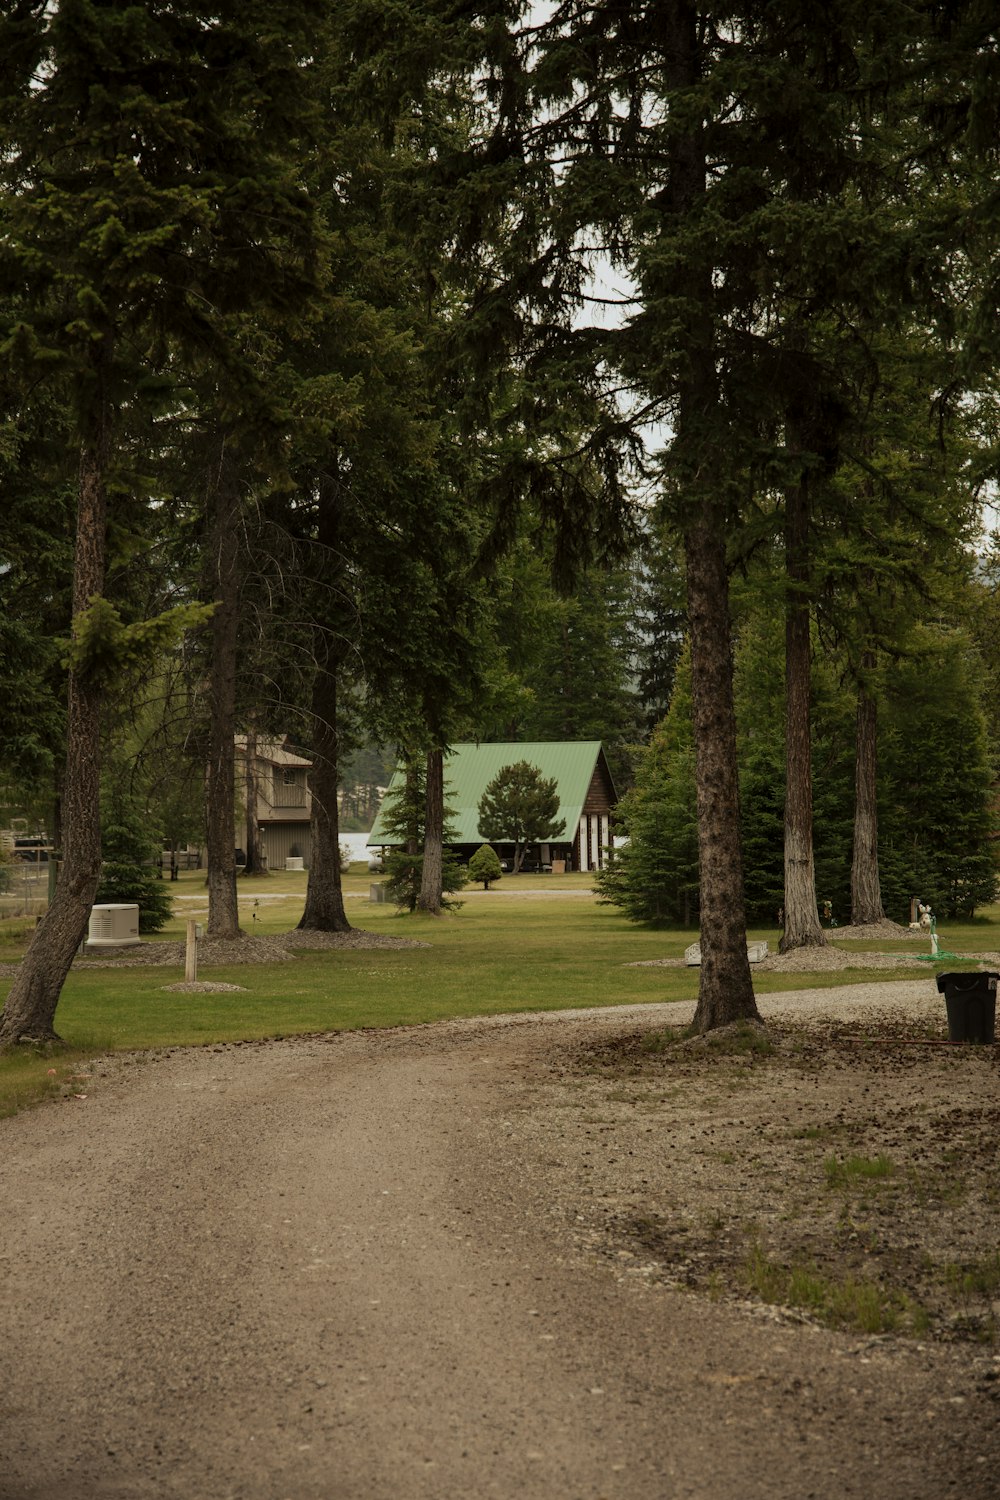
(357, 843)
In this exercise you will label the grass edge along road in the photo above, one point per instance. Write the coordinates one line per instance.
(500, 954)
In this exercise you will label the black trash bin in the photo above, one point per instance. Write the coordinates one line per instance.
(971, 1003)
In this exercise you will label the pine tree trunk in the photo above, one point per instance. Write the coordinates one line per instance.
(431, 871)
(725, 989)
(29, 1013)
(220, 777)
(254, 859)
(866, 887)
(413, 831)
(324, 910)
(802, 928)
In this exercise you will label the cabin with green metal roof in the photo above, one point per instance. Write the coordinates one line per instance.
(585, 789)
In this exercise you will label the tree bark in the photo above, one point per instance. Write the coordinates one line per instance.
(254, 858)
(29, 1012)
(802, 927)
(866, 886)
(411, 796)
(725, 989)
(220, 778)
(324, 909)
(432, 869)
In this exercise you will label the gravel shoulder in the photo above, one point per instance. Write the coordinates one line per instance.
(469, 1258)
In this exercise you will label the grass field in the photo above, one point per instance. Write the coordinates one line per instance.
(506, 950)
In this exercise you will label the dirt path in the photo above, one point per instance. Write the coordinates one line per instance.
(323, 1268)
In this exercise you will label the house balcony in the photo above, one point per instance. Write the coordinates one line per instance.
(289, 796)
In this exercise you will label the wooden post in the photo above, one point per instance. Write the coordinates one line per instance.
(191, 952)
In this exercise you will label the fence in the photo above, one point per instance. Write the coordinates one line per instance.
(24, 891)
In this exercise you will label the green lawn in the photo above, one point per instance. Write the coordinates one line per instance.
(502, 952)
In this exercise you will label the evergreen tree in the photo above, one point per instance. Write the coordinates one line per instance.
(389, 537)
(404, 809)
(36, 562)
(582, 679)
(132, 229)
(760, 705)
(753, 182)
(485, 866)
(654, 877)
(404, 815)
(130, 860)
(431, 897)
(661, 627)
(937, 818)
(520, 807)
(150, 761)
(892, 551)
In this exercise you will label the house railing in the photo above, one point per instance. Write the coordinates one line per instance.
(289, 796)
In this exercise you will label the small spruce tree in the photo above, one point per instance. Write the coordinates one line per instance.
(403, 813)
(130, 855)
(653, 878)
(485, 866)
(937, 831)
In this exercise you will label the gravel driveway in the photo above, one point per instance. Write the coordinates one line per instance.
(341, 1267)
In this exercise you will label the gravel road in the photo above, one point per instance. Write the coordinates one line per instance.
(320, 1268)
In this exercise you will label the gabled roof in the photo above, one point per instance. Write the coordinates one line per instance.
(469, 769)
(272, 753)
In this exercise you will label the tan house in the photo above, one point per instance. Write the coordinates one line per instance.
(276, 784)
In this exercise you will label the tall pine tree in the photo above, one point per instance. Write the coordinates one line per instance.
(140, 150)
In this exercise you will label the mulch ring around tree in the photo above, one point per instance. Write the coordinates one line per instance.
(301, 937)
(203, 987)
(219, 952)
(229, 952)
(833, 957)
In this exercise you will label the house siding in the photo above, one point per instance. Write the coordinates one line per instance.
(601, 793)
(283, 800)
(278, 839)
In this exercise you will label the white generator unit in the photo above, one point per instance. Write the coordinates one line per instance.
(113, 926)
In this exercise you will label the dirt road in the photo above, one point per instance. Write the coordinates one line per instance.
(323, 1268)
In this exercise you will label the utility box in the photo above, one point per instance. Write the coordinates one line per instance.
(113, 926)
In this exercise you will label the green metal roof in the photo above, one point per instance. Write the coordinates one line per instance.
(469, 769)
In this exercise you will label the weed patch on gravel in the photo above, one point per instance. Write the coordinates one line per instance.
(843, 1173)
